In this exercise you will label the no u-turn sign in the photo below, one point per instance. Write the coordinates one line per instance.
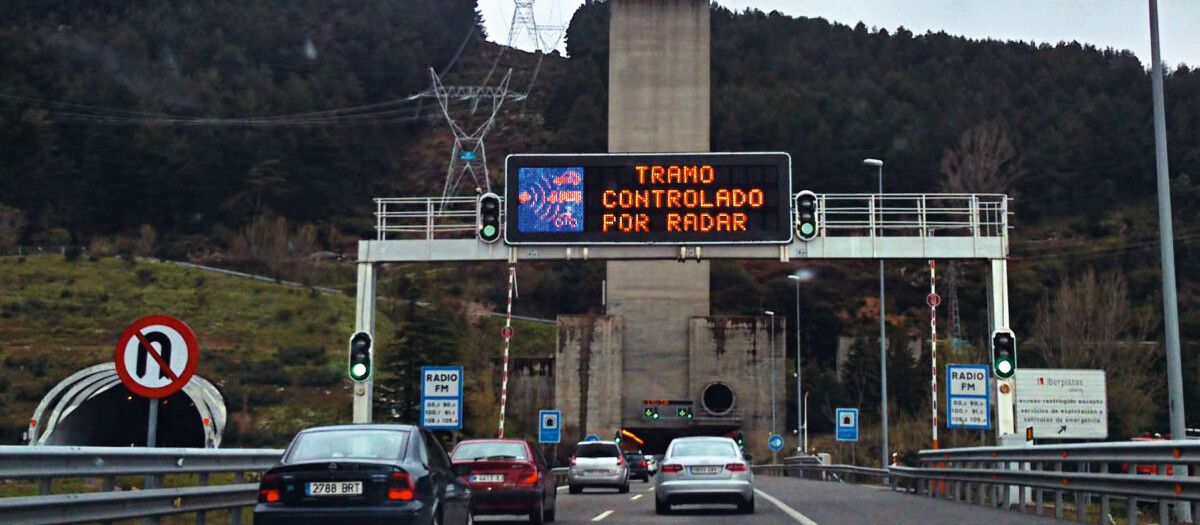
(156, 356)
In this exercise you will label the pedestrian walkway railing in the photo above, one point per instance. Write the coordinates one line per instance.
(162, 470)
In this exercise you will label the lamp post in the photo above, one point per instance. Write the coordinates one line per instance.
(801, 275)
(882, 321)
(806, 421)
(771, 341)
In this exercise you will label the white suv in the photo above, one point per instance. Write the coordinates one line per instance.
(598, 464)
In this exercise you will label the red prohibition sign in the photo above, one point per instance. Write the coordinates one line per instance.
(136, 353)
(506, 332)
(933, 300)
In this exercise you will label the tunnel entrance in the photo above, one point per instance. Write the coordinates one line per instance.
(718, 398)
(119, 418)
(93, 408)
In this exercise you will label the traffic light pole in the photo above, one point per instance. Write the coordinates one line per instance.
(998, 315)
(364, 321)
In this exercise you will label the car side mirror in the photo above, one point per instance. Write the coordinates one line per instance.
(462, 470)
(749, 457)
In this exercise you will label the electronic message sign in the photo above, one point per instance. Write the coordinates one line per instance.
(675, 198)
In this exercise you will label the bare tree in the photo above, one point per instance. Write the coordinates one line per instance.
(147, 241)
(265, 243)
(303, 245)
(12, 226)
(984, 161)
(1089, 324)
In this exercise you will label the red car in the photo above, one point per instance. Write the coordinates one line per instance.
(508, 476)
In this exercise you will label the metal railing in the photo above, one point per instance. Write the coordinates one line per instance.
(839, 215)
(839, 473)
(425, 218)
(1091, 474)
(44, 464)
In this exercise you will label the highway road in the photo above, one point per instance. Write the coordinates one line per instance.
(779, 501)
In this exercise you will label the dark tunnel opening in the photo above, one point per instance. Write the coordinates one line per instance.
(119, 418)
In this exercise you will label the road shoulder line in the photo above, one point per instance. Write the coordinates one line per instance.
(802, 519)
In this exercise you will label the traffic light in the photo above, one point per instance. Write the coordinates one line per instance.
(1004, 354)
(617, 437)
(684, 412)
(741, 441)
(487, 217)
(806, 215)
(650, 413)
(360, 356)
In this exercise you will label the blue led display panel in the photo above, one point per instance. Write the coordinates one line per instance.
(668, 198)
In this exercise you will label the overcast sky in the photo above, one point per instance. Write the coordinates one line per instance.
(1120, 24)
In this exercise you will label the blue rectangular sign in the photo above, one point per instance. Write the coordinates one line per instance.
(442, 397)
(847, 424)
(550, 426)
(968, 397)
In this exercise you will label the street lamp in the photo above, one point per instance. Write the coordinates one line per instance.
(801, 275)
(882, 321)
(771, 341)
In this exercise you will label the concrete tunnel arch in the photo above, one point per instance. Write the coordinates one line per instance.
(93, 408)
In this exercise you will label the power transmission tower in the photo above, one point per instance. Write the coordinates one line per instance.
(524, 24)
(955, 318)
(469, 154)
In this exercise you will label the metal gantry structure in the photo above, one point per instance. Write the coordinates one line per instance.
(851, 226)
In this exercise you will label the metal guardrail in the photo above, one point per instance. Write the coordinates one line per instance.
(47, 463)
(1024, 477)
(827, 472)
(839, 215)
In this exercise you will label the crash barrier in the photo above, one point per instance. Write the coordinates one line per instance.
(99, 467)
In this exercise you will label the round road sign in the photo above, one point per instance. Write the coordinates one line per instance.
(775, 442)
(156, 356)
(933, 300)
(506, 332)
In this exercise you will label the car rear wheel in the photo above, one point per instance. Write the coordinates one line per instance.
(747, 507)
(661, 507)
(538, 515)
(549, 513)
(624, 488)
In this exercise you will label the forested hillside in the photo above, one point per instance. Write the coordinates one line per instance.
(99, 149)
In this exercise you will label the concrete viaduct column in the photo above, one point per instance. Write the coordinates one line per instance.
(658, 101)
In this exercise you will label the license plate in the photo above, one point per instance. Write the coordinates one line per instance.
(334, 488)
(487, 478)
(706, 470)
(596, 472)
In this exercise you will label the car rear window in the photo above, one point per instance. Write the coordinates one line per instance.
(348, 444)
(703, 448)
(596, 450)
(634, 457)
(496, 451)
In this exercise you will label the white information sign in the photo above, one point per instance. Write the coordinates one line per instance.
(441, 397)
(1062, 404)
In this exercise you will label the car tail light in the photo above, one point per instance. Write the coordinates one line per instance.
(642, 464)
(528, 477)
(268, 489)
(401, 487)
(620, 461)
(671, 468)
(572, 461)
(736, 467)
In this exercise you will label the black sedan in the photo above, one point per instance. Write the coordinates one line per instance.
(361, 475)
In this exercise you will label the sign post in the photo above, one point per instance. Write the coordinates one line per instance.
(550, 427)
(155, 357)
(968, 397)
(441, 397)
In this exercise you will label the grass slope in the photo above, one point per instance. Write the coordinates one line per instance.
(276, 352)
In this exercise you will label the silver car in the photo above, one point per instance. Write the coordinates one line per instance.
(598, 464)
(703, 470)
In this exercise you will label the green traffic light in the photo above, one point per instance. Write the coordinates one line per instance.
(808, 229)
(489, 231)
(358, 371)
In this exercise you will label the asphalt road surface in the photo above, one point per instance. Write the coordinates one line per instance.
(779, 501)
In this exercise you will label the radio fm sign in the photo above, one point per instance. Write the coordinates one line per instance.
(441, 397)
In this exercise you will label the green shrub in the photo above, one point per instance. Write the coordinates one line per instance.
(145, 276)
(319, 377)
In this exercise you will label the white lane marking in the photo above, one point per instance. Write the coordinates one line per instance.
(651, 489)
(603, 515)
(562, 487)
(802, 519)
(635, 498)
